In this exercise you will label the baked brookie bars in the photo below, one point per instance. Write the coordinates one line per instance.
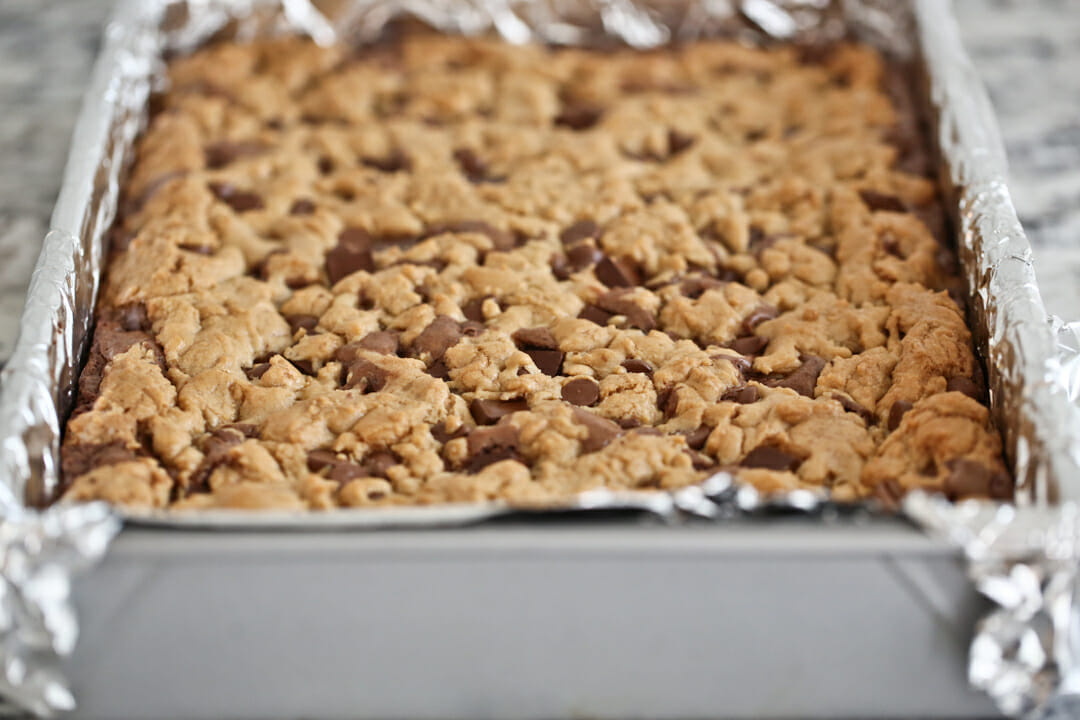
(441, 269)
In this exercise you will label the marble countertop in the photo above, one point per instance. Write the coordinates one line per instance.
(1026, 50)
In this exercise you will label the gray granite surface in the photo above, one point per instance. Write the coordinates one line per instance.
(1028, 52)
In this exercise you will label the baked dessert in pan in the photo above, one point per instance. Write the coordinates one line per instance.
(442, 269)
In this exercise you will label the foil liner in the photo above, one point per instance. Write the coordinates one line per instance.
(1022, 557)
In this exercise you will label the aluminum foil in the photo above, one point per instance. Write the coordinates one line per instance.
(1023, 556)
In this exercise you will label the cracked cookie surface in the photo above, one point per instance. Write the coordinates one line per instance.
(447, 270)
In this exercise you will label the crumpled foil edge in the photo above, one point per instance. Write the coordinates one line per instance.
(1023, 558)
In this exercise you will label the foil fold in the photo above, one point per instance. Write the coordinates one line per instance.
(1022, 557)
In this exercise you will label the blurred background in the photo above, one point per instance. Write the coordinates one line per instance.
(1027, 51)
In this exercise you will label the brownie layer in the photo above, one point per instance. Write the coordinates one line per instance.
(445, 269)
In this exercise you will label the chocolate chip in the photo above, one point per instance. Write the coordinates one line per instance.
(595, 315)
(968, 478)
(896, 413)
(853, 407)
(618, 302)
(239, 200)
(394, 162)
(617, 272)
(695, 439)
(889, 493)
(442, 435)
(651, 431)
(537, 337)
(749, 344)
(882, 202)
(488, 412)
(76, 460)
(548, 361)
(964, 385)
(581, 391)
(771, 458)
(257, 371)
(699, 460)
(740, 363)
(352, 253)
(133, 317)
(695, 286)
(579, 231)
(804, 379)
(474, 309)
(439, 370)
(383, 342)
(471, 328)
(490, 445)
(741, 394)
(601, 431)
(629, 423)
(307, 322)
(245, 429)
(365, 375)
(304, 366)
(377, 463)
(220, 154)
(677, 141)
(319, 459)
(578, 116)
(474, 168)
(326, 165)
(582, 256)
(762, 313)
(636, 365)
(343, 472)
(302, 206)
(438, 337)
(668, 402)
(219, 442)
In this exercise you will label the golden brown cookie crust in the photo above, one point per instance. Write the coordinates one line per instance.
(448, 270)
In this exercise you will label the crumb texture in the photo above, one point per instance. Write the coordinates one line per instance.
(448, 270)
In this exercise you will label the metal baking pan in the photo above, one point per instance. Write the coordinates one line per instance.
(693, 606)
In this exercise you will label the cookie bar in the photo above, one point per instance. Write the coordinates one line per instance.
(441, 269)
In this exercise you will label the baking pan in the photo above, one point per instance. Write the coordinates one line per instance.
(714, 603)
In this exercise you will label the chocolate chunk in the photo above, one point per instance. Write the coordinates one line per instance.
(490, 445)
(618, 302)
(304, 366)
(582, 256)
(394, 162)
(538, 337)
(741, 394)
(758, 315)
(695, 286)
(365, 375)
(442, 435)
(377, 463)
(383, 342)
(474, 309)
(548, 361)
(438, 337)
(488, 412)
(474, 168)
(896, 413)
(439, 370)
(133, 317)
(882, 202)
(581, 391)
(220, 154)
(319, 459)
(257, 371)
(76, 460)
(617, 272)
(352, 253)
(595, 315)
(804, 379)
(239, 200)
(677, 141)
(307, 322)
(771, 458)
(500, 239)
(968, 478)
(578, 116)
(695, 439)
(636, 365)
(302, 206)
(749, 344)
(964, 385)
(853, 407)
(601, 431)
(579, 231)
